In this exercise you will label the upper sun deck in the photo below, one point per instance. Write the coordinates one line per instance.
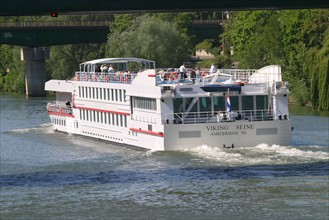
(125, 70)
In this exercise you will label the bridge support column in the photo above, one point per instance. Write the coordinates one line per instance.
(35, 70)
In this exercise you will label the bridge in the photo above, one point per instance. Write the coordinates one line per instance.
(37, 34)
(45, 7)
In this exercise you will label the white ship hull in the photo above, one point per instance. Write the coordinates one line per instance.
(184, 137)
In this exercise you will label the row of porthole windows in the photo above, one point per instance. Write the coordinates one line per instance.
(101, 136)
(103, 117)
(58, 121)
(116, 95)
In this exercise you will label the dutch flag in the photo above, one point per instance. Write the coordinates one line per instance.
(228, 104)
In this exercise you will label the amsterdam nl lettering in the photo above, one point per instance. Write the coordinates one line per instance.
(224, 130)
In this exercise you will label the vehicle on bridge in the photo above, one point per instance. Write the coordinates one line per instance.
(136, 104)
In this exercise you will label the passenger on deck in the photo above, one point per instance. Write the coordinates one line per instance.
(110, 69)
(104, 68)
(182, 72)
(193, 75)
(213, 69)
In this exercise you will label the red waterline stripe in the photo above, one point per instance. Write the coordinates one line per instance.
(160, 134)
(151, 75)
(61, 114)
(102, 110)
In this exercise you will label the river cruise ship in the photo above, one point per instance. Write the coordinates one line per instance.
(129, 101)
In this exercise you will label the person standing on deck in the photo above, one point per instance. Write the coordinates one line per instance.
(213, 69)
(182, 72)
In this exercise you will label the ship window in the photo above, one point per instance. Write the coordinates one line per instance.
(104, 92)
(100, 93)
(234, 103)
(120, 95)
(205, 104)
(261, 102)
(109, 118)
(219, 103)
(121, 121)
(116, 120)
(177, 105)
(124, 95)
(87, 115)
(112, 95)
(116, 95)
(108, 94)
(248, 102)
(125, 118)
(144, 103)
(80, 91)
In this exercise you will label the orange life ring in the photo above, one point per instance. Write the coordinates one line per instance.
(106, 78)
(95, 78)
(173, 76)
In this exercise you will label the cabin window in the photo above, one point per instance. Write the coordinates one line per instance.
(219, 103)
(234, 103)
(261, 102)
(100, 93)
(124, 95)
(178, 105)
(144, 103)
(248, 102)
(205, 104)
(112, 95)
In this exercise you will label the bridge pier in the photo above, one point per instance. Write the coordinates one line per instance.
(35, 70)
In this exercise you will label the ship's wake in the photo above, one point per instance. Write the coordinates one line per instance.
(260, 154)
(42, 128)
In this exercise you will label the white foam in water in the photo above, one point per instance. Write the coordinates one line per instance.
(292, 152)
(260, 154)
(46, 128)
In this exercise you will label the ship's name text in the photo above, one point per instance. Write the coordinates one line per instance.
(224, 130)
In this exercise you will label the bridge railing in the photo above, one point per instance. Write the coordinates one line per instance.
(29, 24)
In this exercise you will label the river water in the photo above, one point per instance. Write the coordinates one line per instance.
(51, 175)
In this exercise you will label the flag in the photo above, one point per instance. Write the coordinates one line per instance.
(228, 104)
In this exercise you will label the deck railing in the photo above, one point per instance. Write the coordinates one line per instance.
(62, 109)
(218, 116)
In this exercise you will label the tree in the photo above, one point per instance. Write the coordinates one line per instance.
(11, 69)
(151, 38)
(65, 60)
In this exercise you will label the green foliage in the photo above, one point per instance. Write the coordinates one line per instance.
(295, 39)
(152, 38)
(65, 60)
(11, 69)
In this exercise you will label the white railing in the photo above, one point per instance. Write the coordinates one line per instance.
(119, 77)
(63, 109)
(216, 117)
